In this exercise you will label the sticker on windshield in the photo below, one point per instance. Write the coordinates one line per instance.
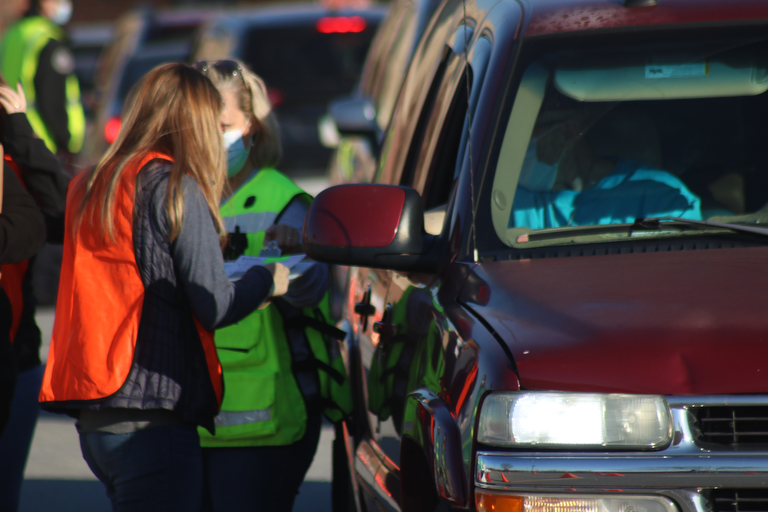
(666, 68)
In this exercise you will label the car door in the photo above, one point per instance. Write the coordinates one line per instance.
(404, 349)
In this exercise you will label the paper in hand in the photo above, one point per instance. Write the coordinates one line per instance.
(236, 269)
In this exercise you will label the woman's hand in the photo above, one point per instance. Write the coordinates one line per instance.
(280, 277)
(288, 239)
(13, 101)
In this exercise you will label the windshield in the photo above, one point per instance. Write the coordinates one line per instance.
(322, 65)
(609, 136)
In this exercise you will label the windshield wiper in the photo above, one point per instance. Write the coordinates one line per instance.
(704, 224)
(646, 224)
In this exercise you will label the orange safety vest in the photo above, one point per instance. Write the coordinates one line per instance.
(12, 274)
(99, 305)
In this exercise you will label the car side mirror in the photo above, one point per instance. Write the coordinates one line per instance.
(356, 116)
(368, 225)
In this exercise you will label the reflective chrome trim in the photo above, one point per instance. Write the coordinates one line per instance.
(715, 400)
(689, 501)
(250, 222)
(234, 418)
(503, 471)
(678, 471)
(375, 471)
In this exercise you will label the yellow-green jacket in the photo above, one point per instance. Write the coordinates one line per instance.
(19, 60)
(280, 358)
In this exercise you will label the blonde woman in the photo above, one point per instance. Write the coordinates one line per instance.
(142, 288)
(275, 360)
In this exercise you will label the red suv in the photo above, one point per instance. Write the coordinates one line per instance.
(559, 272)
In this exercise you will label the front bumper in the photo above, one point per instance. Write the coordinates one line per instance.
(685, 471)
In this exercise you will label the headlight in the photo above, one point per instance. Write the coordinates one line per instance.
(575, 420)
(487, 501)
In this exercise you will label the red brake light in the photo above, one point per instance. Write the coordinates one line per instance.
(276, 97)
(341, 24)
(112, 129)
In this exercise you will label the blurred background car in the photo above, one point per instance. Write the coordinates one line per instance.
(355, 125)
(87, 41)
(307, 55)
(143, 39)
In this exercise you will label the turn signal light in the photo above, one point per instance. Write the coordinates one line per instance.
(276, 97)
(497, 502)
(490, 501)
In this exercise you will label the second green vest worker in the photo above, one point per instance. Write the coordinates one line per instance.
(34, 52)
(282, 366)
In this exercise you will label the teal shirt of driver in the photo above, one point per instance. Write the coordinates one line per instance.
(632, 190)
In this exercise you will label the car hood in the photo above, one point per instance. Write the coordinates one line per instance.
(685, 322)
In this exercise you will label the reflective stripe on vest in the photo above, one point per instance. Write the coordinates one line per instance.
(255, 206)
(12, 274)
(235, 418)
(19, 60)
(99, 305)
(250, 222)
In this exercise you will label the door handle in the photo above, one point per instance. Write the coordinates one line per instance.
(364, 308)
(385, 327)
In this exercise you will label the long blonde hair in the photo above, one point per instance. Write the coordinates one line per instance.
(252, 99)
(173, 110)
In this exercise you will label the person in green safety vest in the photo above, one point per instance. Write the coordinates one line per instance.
(282, 366)
(34, 53)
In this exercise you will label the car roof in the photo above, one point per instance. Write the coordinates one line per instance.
(180, 15)
(559, 16)
(90, 34)
(291, 14)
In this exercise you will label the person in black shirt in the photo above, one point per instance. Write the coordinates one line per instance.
(22, 234)
(36, 169)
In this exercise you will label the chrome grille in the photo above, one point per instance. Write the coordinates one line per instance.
(739, 500)
(730, 426)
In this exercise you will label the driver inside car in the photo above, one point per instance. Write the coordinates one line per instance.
(564, 183)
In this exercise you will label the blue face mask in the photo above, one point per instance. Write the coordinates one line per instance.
(237, 153)
(537, 176)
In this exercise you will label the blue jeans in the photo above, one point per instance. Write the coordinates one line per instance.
(17, 437)
(156, 469)
(261, 478)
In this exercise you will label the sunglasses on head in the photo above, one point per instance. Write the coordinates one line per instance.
(224, 67)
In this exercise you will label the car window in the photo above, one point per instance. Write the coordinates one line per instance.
(427, 125)
(618, 133)
(146, 59)
(331, 62)
(212, 43)
(389, 55)
(439, 156)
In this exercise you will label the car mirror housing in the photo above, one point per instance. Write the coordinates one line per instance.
(367, 225)
(355, 116)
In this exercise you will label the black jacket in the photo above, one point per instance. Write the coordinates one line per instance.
(22, 235)
(54, 66)
(47, 182)
(22, 225)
